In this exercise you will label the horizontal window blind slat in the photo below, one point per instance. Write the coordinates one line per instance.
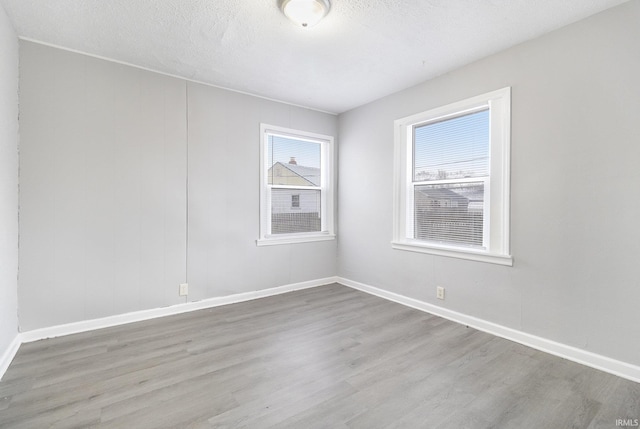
(454, 148)
(450, 213)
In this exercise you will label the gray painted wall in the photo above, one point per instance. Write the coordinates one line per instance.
(575, 187)
(8, 183)
(104, 173)
(224, 202)
(106, 225)
(102, 188)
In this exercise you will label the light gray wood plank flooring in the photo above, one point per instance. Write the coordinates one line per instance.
(327, 357)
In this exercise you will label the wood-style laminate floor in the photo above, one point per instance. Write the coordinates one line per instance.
(327, 357)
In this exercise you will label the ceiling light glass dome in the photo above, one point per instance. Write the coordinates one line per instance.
(305, 13)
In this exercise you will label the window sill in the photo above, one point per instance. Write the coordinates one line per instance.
(294, 239)
(454, 253)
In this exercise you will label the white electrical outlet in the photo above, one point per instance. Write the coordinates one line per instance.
(440, 292)
(184, 289)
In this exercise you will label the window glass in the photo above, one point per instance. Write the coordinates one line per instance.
(451, 181)
(449, 153)
(296, 186)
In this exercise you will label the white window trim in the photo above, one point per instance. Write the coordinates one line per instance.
(498, 252)
(326, 188)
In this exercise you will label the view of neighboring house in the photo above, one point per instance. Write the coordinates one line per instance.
(295, 197)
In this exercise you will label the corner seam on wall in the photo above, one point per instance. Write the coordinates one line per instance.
(186, 227)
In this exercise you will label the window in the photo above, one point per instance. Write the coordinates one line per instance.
(295, 201)
(296, 186)
(452, 180)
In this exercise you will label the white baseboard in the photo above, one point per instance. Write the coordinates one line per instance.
(593, 360)
(603, 363)
(9, 354)
(138, 316)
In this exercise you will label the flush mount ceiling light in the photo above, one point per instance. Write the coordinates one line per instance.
(305, 13)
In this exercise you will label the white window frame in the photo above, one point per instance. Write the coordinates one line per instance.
(497, 191)
(326, 188)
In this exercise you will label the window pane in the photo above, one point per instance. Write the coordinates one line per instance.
(286, 219)
(449, 214)
(293, 162)
(452, 149)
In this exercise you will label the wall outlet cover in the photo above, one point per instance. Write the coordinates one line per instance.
(184, 289)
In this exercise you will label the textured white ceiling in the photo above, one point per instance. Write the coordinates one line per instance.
(363, 50)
